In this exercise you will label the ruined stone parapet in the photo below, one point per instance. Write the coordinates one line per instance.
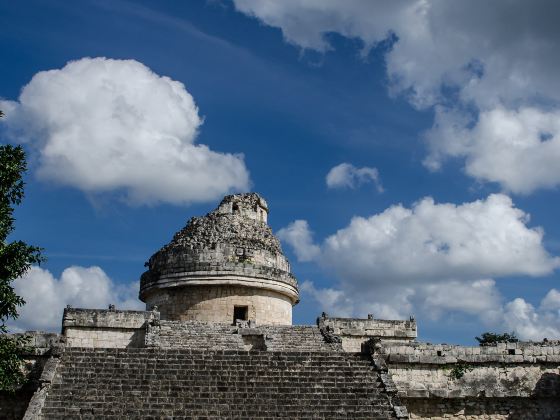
(107, 328)
(39, 343)
(201, 273)
(498, 382)
(505, 370)
(354, 332)
(37, 354)
(440, 354)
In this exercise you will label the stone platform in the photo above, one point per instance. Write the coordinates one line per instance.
(197, 384)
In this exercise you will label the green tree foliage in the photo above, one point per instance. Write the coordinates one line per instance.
(489, 338)
(16, 258)
(459, 370)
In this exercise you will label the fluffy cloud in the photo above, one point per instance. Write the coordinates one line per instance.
(306, 22)
(103, 125)
(434, 259)
(534, 323)
(384, 303)
(332, 300)
(300, 238)
(480, 299)
(518, 149)
(435, 242)
(481, 60)
(433, 300)
(430, 242)
(347, 175)
(84, 287)
(506, 55)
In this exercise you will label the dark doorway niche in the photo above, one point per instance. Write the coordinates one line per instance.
(254, 342)
(240, 313)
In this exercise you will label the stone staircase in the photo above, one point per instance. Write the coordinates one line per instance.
(296, 338)
(204, 384)
(194, 335)
(206, 336)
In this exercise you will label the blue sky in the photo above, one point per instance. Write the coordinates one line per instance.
(416, 99)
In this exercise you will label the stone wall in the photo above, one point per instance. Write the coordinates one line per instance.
(216, 304)
(504, 381)
(354, 332)
(105, 328)
(40, 345)
(483, 409)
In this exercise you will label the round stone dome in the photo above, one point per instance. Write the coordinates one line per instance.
(221, 267)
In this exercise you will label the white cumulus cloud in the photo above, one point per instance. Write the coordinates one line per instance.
(82, 287)
(393, 301)
(491, 59)
(532, 323)
(104, 125)
(434, 259)
(431, 242)
(498, 59)
(347, 175)
(383, 302)
(300, 238)
(519, 149)
(479, 297)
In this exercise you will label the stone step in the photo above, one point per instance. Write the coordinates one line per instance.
(200, 335)
(144, 383)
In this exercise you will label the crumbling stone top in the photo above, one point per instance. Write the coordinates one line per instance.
(233, 237)
(238, 227)
(239, 221)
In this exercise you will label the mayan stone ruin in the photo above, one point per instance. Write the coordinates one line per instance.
(216, 341)
(226, 261)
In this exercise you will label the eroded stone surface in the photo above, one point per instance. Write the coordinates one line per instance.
(194, 384)
(235, 234)
(228, 258)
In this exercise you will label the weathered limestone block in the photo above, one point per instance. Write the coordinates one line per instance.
(482, 409)
(354, 332)
(216, 304)
(503, 381)
(105, 328)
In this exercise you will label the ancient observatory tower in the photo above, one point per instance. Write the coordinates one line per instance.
(223, 267)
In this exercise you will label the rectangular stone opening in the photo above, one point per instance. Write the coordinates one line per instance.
(240, 313)
(511, 351)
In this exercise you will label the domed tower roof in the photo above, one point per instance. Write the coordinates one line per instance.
(230, 246)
